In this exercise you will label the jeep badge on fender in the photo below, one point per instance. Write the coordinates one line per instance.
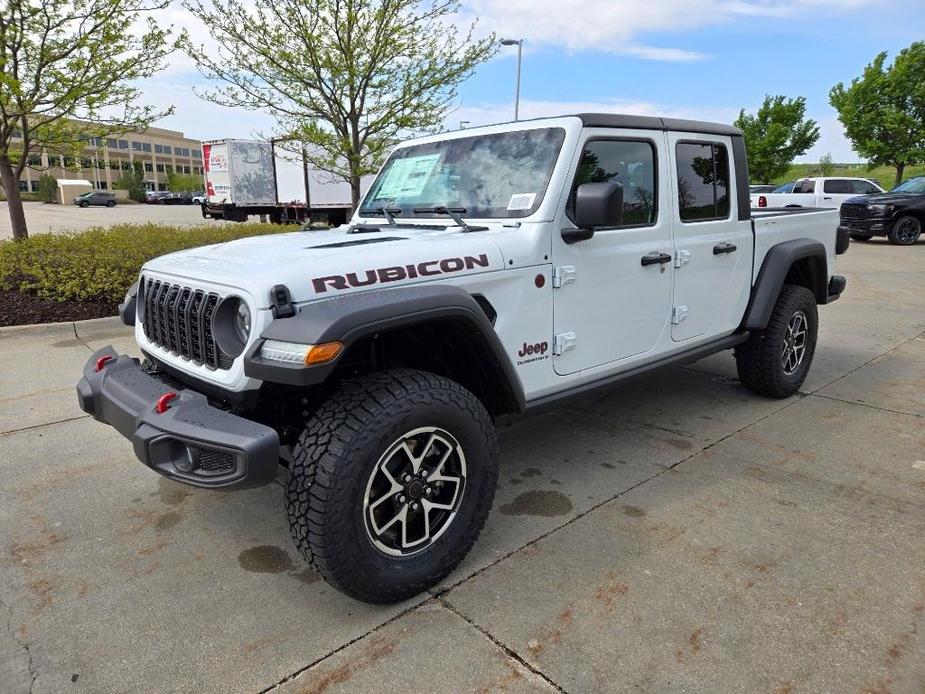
(373, 360)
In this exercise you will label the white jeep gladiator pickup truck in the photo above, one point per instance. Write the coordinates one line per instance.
(488, 272)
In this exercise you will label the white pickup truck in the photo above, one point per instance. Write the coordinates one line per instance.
(488, 273)
(822, 191)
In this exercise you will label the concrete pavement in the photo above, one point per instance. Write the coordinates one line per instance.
(676, 535)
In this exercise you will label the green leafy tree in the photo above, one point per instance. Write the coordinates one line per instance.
(48, 189)
(133, 180)
(776, 135)
(883, 110)
(826, 165)
(62, 60)
(346, 77)
(180, 182)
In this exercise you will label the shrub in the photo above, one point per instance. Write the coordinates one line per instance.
(133, 180)
(101, 263)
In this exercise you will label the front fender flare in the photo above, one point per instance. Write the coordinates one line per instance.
(352, 317)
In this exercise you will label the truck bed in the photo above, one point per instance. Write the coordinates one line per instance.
(778, 225)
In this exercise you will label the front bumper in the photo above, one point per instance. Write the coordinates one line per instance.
(190, 441)
(873, 226)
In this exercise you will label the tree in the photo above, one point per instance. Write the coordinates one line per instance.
(776, 135)
(180, 182)
(62, 60)
(48, 189)
(346, 77)
(133, 180)
(826, 164)
(883, 110)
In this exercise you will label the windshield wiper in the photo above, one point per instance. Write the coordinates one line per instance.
(388, 212)
(453, 212)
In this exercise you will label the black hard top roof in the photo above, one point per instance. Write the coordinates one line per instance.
(619, 120)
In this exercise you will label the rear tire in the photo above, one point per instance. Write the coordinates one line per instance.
(110, 203)
(774, 361)
(905, 231)
(356, 499)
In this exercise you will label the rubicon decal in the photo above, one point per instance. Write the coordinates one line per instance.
(396, 273)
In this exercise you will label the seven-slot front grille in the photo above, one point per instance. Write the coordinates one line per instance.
(179, 319)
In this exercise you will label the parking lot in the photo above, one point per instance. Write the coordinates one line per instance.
(43, 218)
(676, 535)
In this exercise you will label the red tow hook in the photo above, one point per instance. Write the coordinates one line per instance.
(101, 362)
(162, 402)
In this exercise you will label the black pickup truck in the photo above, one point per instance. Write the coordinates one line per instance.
(898, 214)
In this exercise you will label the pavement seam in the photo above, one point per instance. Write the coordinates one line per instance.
(867, 405)
(79, 338)
(44, 424)
(321, 659)
(9, 622)
(511, 653)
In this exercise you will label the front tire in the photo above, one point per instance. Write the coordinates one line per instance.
(774, 361)
(905, 231)
(391, 482)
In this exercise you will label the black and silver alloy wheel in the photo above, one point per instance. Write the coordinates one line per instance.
(794, 343)
(391, 482)
(414, 491)
(905, 231)
(774, 361)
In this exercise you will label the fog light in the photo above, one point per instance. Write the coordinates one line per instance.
(295, 353)
(186, 461)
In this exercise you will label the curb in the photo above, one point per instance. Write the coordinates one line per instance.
(83, 328)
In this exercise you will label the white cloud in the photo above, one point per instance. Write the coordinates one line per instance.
(615, 26)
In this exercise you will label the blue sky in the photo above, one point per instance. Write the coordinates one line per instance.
(685, 58)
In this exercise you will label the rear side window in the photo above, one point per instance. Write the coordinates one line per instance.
(628, 162)
(703, 181)
(863, 188)
(806, 186)
(837, 185)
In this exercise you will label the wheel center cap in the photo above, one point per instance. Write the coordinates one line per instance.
(416, 490)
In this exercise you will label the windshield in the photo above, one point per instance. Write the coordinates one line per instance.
(489, 176)
(913, 185)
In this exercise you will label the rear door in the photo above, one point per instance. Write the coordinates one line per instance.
(835, 191)
(713, 248)
(609, 307)
(217, 171)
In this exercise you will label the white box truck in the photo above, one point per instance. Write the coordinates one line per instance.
(253, 178)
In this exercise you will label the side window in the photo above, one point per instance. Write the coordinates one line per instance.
(863, 188)
(628, 162)
(837, 185)
(805, 186)
(703, 181)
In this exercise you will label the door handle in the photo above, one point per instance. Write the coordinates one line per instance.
(724, 247)
(826, 198)
(655, 258)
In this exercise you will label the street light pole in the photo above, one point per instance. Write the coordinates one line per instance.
(520, 48)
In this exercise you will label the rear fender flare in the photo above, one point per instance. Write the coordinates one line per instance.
(777, 264)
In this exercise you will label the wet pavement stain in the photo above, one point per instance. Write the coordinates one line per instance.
(538, 503)
(680, 444)
(516, 480)
(633, 511)
(609, 466)
(171, 493)
(167, 520)
(265, 559)
(531, 472)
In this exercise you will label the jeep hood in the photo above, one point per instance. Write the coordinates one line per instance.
(325, 264)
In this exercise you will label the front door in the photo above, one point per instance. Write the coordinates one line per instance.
(610, 307)
(713, 247)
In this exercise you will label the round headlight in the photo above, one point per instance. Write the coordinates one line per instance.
(242, 321)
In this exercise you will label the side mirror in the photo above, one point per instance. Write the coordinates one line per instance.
(596, 205)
